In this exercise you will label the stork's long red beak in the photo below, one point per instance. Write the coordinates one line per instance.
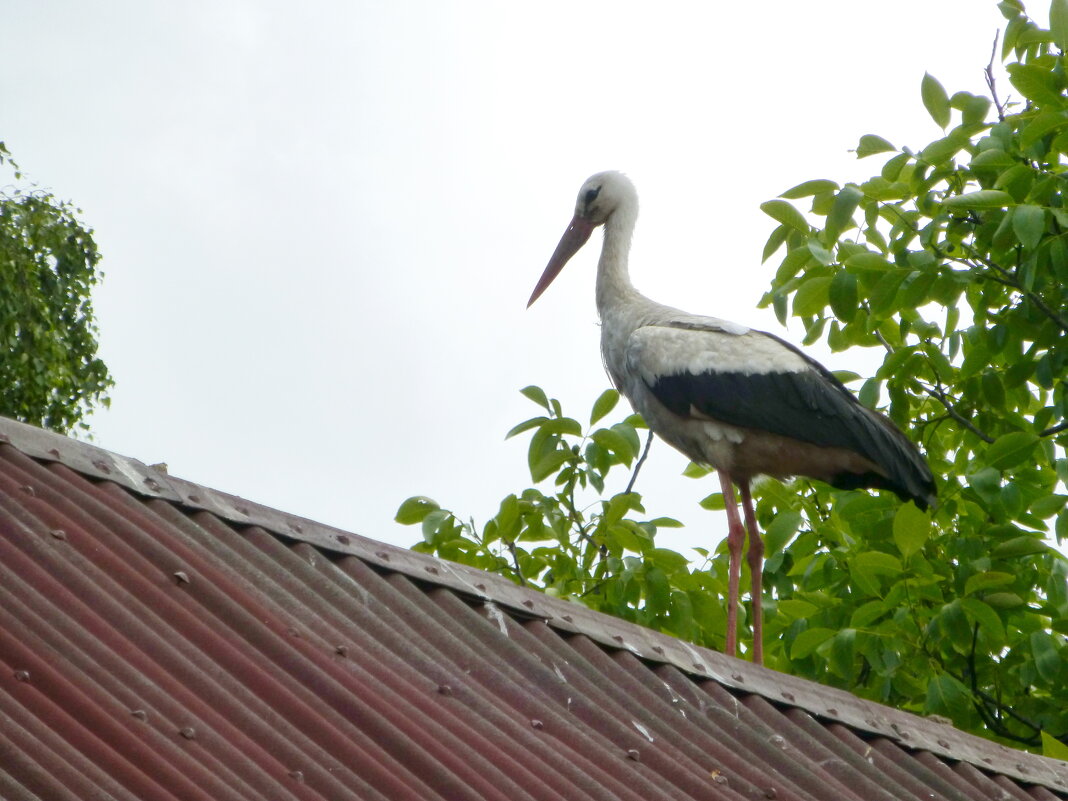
(576, 235)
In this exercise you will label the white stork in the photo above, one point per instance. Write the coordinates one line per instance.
(742, 401)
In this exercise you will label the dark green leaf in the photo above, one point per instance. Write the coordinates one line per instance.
(536, 394)
(842, 294)
(1011, 449)
(1045, 652)
(808, 641)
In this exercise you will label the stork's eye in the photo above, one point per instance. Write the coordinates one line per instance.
(591, 195)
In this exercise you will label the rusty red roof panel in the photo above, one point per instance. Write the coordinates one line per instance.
(163, 640)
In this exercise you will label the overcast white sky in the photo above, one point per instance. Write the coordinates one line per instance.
(321, 221)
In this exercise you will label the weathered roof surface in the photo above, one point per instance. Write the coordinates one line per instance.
(161, 640)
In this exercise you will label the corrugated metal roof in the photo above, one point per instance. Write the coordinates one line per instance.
(161, 640)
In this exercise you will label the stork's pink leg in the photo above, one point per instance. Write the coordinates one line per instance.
(755, 557)
(735, 540)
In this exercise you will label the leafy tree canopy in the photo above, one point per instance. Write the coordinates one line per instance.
(952, 262)
(50, 375)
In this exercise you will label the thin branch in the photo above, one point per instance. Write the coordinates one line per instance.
(989, 72)
(939, 395)
(1009, 280)
(1057, 429)
(515, 561)
(641, 461)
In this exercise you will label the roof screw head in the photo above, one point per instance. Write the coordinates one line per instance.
(537, 724)
(632, 753)
(738, 677)
(29, 490)
(102, 466)
(943, 743)
(987, 759)
(194, 499)
(1020, 766)
(140, 714)
(567, 618)
(342, 539)
(152, 484)
(618, 638)
(381, 555)
(58, 533)
(341, 650)
(444, 689)
(188, 733)
(789, 696)
(658, 650)
(699, 667)
(297, 775)
(54, 452)
(181, 577)
(528, 603)
(242, 510)
(22, 675)
(832, 711)
(297, 527)
(432, 570)
(770, 793)
(480, 587)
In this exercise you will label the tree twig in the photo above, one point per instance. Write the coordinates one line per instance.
(989, 72)
(641, 461)
(939, 395)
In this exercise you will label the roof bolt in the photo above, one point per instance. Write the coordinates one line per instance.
(770, 793)
(58, 533)
(699, 667)
(29, 490)
(188, 733)
(22, 675)
(444, 689)
(832, 711)
(152, 484)
(343, 539)
(242, 510)
(54, 452)
(1020, 766)
(432, 570)
(738, 677)
(943, 743)
(789, 696)
(657, 649)
(778, 741)
(194, 499)
(480, 587)
(872, 722)
(297, 775)
(292, 632)
(341, 650)
(567, 618)
(618, 638)
(529, 604)
(632, 753)
(987, 759)
(382, 555)
(297, 527)
(140, 714)
(537, 724)
(181, 577)
(102, 466)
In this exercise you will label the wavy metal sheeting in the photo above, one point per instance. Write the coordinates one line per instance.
(160, 640)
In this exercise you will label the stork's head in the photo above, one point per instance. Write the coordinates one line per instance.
(599, 197)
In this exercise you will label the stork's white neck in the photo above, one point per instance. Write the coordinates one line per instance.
(614, 289)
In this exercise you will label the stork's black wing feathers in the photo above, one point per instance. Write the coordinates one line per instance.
(808, 405)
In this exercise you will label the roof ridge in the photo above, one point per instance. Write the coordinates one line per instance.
(907, 729)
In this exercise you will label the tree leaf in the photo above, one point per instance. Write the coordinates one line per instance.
(785, 213)
(1011, 449)
(808, 641)
(870, 144)
(415, 509)
(911, 529)
(604, 404)
(982, 199)
(1045, 652)
(935, 99)
(1029, 223)
(808, 188)
(536, 394)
